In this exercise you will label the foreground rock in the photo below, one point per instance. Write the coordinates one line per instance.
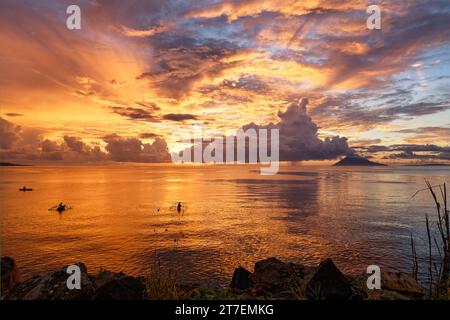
(272, 279)
(328, 283)
(117, 286)
(9, 275)
(105, 286)
(53, 286)
(241, 279)
(276, 279)
(402, 283)
(398, 286)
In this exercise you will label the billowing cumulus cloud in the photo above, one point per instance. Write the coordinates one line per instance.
(133, 150)
(9, 133)
(27, 144)
(48, 145)
(76, 144)
(299, 136)
(16, 140)
(83, 151)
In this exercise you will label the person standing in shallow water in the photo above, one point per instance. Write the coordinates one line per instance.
(61, 207)
(179, 207)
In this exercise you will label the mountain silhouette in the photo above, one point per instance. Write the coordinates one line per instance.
(356, 161)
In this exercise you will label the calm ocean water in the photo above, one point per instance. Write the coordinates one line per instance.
(233, 216)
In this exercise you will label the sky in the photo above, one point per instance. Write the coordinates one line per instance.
(140, 72)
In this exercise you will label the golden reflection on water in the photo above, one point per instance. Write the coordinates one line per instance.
(123, 218)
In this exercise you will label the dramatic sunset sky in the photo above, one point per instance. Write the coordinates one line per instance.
(138, 71)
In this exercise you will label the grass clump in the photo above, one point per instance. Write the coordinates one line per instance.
(438, 272)
(211, 294)
(162, 286)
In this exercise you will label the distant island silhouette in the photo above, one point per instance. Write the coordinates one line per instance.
(9, 164)
(430, 165)
(357, 161)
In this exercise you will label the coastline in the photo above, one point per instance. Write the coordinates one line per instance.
(271, 279)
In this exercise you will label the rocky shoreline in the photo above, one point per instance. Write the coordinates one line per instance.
(271, 279)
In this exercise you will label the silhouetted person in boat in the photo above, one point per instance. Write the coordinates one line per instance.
(61, 207)
(179, 207)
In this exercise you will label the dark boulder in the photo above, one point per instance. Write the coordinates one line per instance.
(118, 286)
(328, 283)
(9, 275)
(53, 286)
(402, 283)
(274, 276)
(241, 279)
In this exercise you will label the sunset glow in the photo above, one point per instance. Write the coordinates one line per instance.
(143, 69)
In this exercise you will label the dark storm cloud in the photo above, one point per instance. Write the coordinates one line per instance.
(237, 92)
(135, 113)
(180, 62)
(251, 83)
(149, 105)
(344, 111)
(416, 156)
(408, 148)
(148, 135)
(377, 148)
(364, 142)
(427, 130)
(332, 34)
(419, 24)
(179, 117)
(410, 151)
(416, 148)
(417, 109)
(135, 14)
